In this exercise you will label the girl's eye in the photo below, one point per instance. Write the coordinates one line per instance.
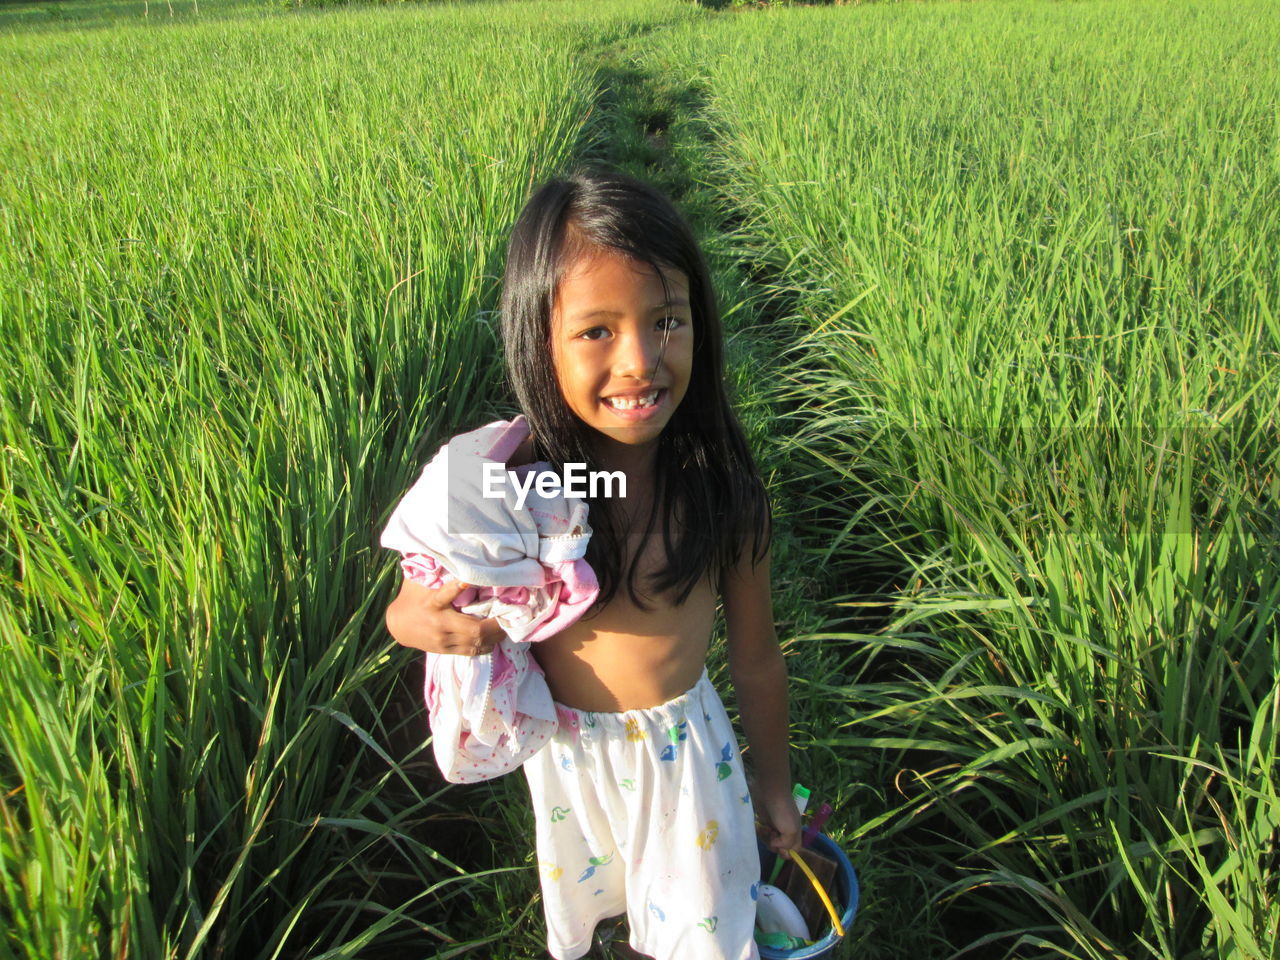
(592, 333)
(669, 323)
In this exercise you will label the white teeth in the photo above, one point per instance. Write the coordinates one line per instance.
(631, 403)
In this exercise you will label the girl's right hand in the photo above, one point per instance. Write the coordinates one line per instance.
(424, 618)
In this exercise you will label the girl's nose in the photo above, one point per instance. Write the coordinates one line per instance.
(638, 356)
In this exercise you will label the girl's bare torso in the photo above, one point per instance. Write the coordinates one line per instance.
(622, 657)
(625, 658)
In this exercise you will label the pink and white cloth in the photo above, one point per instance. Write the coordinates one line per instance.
(525, 565)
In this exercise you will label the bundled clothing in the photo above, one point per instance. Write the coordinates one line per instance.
(525, 565)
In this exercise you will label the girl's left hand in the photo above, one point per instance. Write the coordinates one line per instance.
(776, 810)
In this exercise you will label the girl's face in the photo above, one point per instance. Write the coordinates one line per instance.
(607, 330)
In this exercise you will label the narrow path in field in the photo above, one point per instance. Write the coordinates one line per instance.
(654, 121)
(652, 124)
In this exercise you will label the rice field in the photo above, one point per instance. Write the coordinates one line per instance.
(1034, 257)
(248, 277)
(1003, 288)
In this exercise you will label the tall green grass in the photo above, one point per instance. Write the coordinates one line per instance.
(246, 285)
(1035, 423)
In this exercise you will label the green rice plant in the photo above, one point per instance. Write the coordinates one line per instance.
(29, 17)
(246, 285)
(1242, 887)
(1035, 422)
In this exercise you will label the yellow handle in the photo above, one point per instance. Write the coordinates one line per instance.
(826, 901)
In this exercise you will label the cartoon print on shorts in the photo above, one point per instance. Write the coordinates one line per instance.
(559, 813)
(707, 838)
(755, 890)
(675, 735)
(627, 783)
(657, 911)
(709, 924)
(633, 730)
(723, 769)
(550, 870)
(590, 872)
(566, 763)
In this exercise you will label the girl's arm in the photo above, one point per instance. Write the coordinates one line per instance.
(760, 678)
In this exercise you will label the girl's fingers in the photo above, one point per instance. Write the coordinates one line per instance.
(471, 637)
(489, 634)
(443, 595)
(781, 842)
(477, 648)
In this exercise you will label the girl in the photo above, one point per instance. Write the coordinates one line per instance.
(613, 346)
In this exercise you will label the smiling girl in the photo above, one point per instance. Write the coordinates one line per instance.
(642, 805)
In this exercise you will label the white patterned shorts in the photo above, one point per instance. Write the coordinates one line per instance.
(647, 812)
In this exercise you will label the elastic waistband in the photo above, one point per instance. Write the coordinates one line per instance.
(663, 714)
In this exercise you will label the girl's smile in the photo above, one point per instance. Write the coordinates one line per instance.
(637, 406)
(611, 317)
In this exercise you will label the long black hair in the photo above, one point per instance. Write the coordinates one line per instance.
(707, 488)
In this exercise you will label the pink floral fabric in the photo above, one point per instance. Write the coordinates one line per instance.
(491, 713)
